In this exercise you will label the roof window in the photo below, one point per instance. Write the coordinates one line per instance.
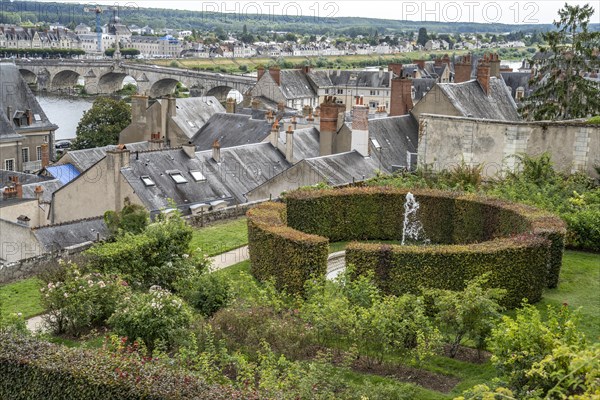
(148, 181)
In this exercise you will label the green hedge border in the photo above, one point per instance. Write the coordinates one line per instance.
(520, 246)
(33, 369)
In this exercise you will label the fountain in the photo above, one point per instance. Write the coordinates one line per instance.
(412, 227)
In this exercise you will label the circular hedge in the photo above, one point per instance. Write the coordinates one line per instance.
(520, 247)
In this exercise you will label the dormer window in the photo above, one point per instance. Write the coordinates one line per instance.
(148, 181)
(177, 176)
(198, 176)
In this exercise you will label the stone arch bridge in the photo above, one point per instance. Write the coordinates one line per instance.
(106, 77)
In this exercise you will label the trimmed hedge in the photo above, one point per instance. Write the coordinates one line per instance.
(514, 264)
(33, 369)
(519, 245)
(282, 253)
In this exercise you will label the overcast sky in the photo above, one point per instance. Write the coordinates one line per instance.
(504, 11)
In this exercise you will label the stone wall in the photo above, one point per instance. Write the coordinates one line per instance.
(446, 141)
(208, 217)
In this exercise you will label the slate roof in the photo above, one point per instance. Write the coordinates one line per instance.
(340, 169)
(396, 136)
(156, 164)
(360, 78)
(514, 80)
(422, 86)
(231, 130)
(243, 168)
(295, 85)
(470, 100)
(24, 178)
(58, 237)
(319, 78)
(49, 187)
(16, 94)
(306, 143)
(192, 113)
(84, 159)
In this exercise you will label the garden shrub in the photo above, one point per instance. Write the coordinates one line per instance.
(207, 293)
(157, 318)
(282, 253)
(12, 323)
(33, 369)
(519, 245)
(158, 256)
(81, 300)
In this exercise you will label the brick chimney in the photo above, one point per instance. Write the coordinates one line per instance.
(39, 192)
(255, 104)
(189, 149)
(306, 69)
(45, 149)
(260, 72)
(269, 116)
(462, 69)
(446, 60)
(420, 63)
(139, 105)
(289, 145)
(483, 74)
(216, 151)
(29, 115)
(495, 65)
(275, 134)
(172, 106)
(401, 97)
(294, 121)
(156, 142)
(360, 128)
(306, 110)
(275, 72)
(280, 106)
(396, 69)
(230, 105)
(330, 124)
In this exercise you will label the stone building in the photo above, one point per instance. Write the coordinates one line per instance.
(26, 134)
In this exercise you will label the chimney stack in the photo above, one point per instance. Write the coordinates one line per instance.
(483, 74)
(45, 149)
(189, 149)
(172, 106)
(275, 72)
(269, 116)
(420, 63)
(139, 105)
(446, 60)
(360, 128)
(401, 97)
(495, 65)
(329, 124)
(294, 122)
(155, 141)
(275, 134)
(437, 62)
(462, 69)
(216, 151)
(280, 106)
(29, 116)
(255, 104)
(260, 72)
(396, 69)
(289, 145)
(230, 105)
(39, 192)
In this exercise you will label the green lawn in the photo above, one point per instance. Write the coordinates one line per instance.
(579, 286)
(222, 237)
(22, 297)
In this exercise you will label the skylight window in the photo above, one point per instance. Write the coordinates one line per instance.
(198, 176)
(148, 181)
(177, 176)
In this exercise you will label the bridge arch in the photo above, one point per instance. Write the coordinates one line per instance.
(65, 79)
(113, 82)
(29, 76)
(163, 87)
(220, 92)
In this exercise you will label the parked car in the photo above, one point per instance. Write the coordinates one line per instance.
(63, 144)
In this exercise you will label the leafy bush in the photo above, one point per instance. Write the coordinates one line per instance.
(12, 323)
(157, 318)
(521, 343)
(207, 293)
(157, 256)
(133, 218)
(33, 369)
(81, 301)
(469, 314)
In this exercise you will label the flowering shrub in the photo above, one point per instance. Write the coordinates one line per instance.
(157, 318)
(207, 292)
(81, 301)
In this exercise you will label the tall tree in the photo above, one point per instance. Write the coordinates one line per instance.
(561, 90)
(423, 37)
(101, 124)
